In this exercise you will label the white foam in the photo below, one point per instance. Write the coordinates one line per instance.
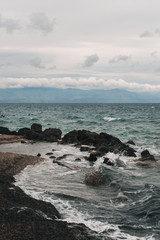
(109, 119)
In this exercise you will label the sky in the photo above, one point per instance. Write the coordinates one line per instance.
(87, 44)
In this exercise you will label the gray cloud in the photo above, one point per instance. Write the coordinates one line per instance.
(9, 24)
(39, 21)
(119, 58)
(146, 34)
(91, 60)
(5, 64)
(36, 62)
(157, 31)
(52, 68)
(154, 54)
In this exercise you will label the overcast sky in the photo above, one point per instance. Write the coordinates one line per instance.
(85, 44)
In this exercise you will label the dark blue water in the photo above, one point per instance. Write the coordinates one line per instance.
(127, 206)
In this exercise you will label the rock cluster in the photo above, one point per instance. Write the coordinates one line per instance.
(35, 133)
(102, 142)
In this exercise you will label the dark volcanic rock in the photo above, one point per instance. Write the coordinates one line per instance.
(146, 156)
(63, 156)
(4, 130)
(82, 137)
(24, 218)
(108, 162)
(145, 153)
(131, 142)
(92, 157)
(36, 133)
(36, 127)
(49, 153)
(45, 230)
(51, 135)
(32, 135)
(23, 131)
(102, 142)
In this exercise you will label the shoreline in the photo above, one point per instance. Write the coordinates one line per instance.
(23, 217)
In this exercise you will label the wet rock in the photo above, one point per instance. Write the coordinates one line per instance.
(148, 164)
(94, 178)
(52, 157)
(4, 130)
(82, 137)
(108, 161)
(49, 153)
(92, 157)
(131, 142)
(84, 149)
(103, 149)
(22, 217)
(32, 135)
(145, 153)
(23, 131)
(63, 156)
(146, 156)
(102, 142)
(120, 163)
(77, 160)
(35, 127)
(51, 135)
(128, 151)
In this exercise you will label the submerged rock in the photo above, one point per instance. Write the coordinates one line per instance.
(146, 156)
(94, 178)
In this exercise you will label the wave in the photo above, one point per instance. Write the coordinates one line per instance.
(109, 119)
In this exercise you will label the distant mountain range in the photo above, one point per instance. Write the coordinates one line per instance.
(70, 95)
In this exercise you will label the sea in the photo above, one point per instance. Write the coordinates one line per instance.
(127, 205)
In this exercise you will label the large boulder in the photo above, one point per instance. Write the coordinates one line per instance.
(23, 131)
(36, 128)
(4, 130)
(51, 135)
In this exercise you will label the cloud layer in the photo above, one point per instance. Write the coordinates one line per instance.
(81, 83)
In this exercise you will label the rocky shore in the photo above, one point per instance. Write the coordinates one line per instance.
(25, 218)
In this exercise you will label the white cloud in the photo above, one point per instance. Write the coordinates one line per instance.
(91, 60)
(40, 21)
(81, 83)
(9, 24)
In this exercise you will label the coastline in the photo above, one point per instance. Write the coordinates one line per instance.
(23, 217)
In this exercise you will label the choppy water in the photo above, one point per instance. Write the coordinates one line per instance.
(127, 206)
